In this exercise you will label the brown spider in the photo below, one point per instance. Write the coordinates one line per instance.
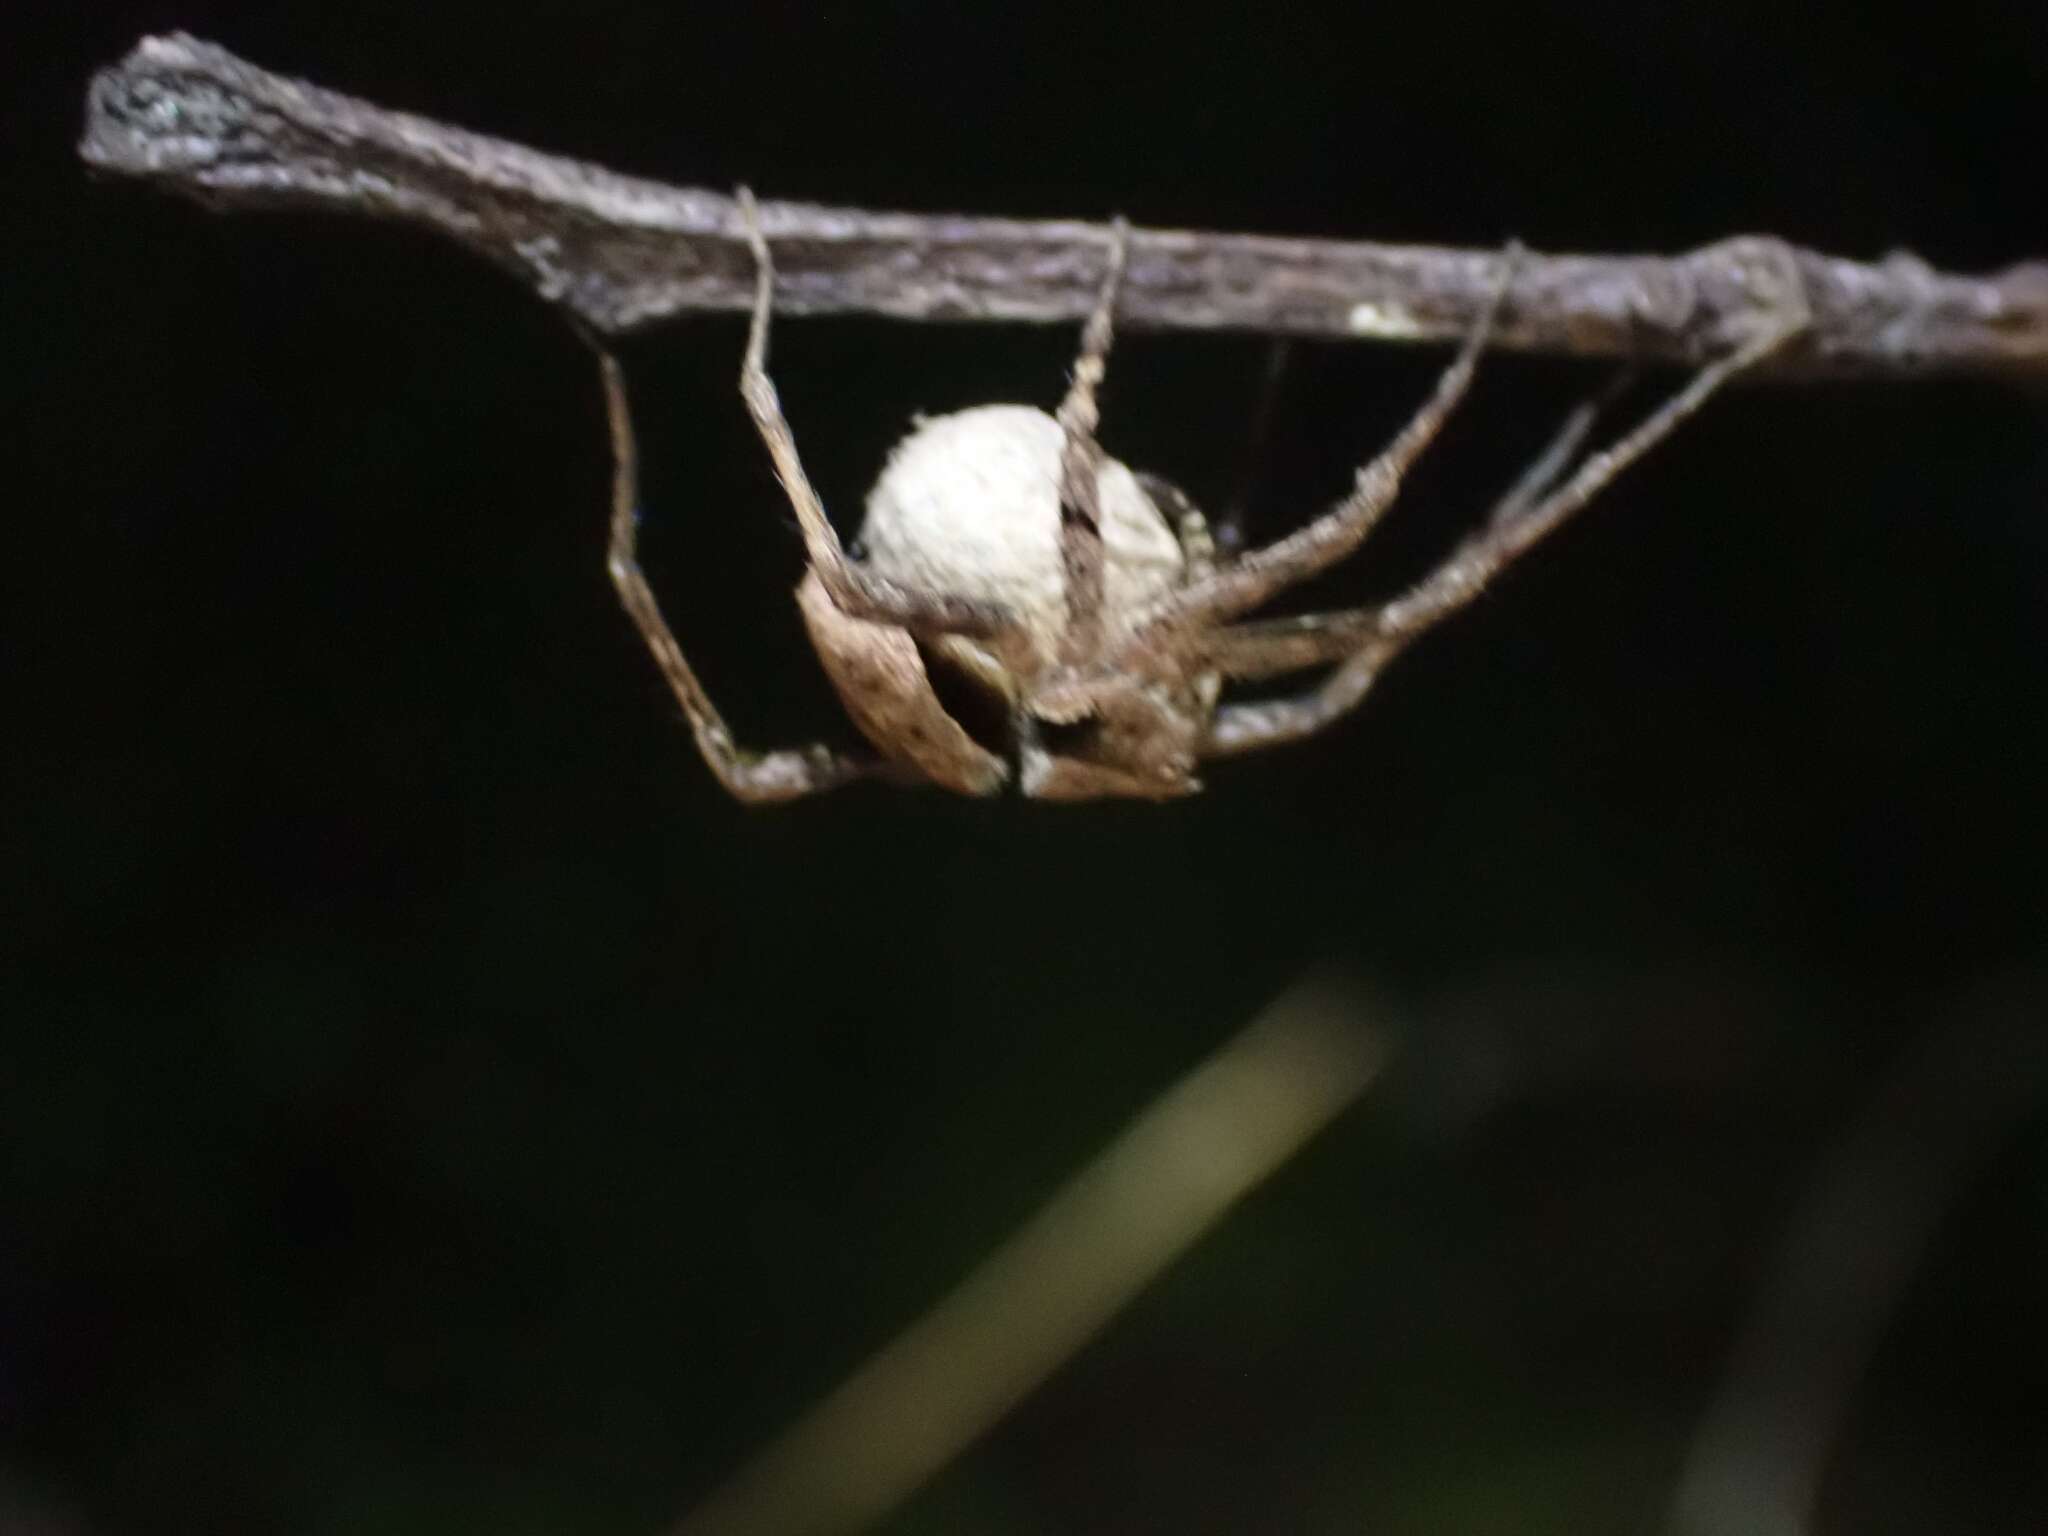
(1078, 613)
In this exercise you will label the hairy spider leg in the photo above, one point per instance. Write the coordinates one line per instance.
(858, 593)
(1199, 557)
(1366, 640)
(1190, 525)
(1080, 464)
(1266, 648)
(1162, 643)
(1259, 575)
(756, 777)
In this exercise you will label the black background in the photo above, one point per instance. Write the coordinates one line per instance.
(429, 1104)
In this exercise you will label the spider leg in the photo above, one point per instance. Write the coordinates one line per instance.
(1476, 562)
(1199, 558)
(1549, 466)
(856, 591)
(1365, 640)
(756, 777)
(1190, 526)
(1261, 574)
(1265, 648)
(1253, 726)
(1080, 460)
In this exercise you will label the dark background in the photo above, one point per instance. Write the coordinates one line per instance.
(429, 1105)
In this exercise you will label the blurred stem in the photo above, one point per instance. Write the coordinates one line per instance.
(1848, 1254)
(1203, 1145)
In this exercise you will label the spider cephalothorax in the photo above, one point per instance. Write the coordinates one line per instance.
(1024, 609)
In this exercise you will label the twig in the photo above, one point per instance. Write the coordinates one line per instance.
(622, 253)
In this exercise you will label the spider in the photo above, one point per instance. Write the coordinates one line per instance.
(1022, 609)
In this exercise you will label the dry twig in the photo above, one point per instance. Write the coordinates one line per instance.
(622, 253)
